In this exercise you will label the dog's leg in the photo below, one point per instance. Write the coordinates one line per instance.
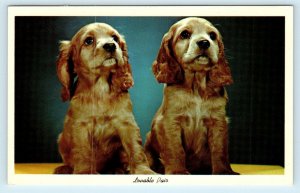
(218, 144)
(152, 155)
(148, 151)
(84, 153)
(84, 160)
(132, 144)
(65, 152)
(172, 154)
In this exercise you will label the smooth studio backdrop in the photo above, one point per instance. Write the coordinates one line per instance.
(254, 47)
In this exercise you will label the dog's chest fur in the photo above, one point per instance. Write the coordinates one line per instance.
(98, 115)
(190, 112)
(194, 111)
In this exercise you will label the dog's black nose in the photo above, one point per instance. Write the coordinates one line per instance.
(109, 47)
(203, 44)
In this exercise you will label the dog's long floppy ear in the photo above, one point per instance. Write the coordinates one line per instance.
(122, 77)
(165, 68)
(65, 70)
(220, 74)
(123, 47)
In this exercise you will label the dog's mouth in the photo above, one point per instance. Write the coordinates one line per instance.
(109, 62)
(202, 59)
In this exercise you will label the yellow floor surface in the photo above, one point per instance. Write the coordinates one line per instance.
(48, 168)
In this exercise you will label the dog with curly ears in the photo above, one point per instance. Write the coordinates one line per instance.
(189, 131)
(100, 134)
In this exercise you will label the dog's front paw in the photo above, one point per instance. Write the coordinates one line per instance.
(225, 172)
(144, 170)
(185, 172)
(178, 172)
(86, 172)
(65, 169)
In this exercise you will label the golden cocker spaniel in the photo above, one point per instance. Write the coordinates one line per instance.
(100, 134)
(189, 131)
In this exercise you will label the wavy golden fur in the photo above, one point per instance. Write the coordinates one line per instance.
(189, 131)
(100, 134)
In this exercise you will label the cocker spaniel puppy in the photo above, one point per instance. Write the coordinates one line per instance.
(189, 131)
(100, 134)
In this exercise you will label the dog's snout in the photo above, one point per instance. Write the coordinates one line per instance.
(203, 44)
(109, 47)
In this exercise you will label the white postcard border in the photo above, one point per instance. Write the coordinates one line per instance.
(218, 11)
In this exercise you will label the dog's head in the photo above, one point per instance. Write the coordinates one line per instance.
(96, 49)
(192, 44)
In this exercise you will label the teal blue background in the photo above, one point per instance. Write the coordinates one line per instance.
(255, 50)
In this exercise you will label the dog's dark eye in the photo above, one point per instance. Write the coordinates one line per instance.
(89, 41)
(116, 38)
(213, 35)
(185, 34)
